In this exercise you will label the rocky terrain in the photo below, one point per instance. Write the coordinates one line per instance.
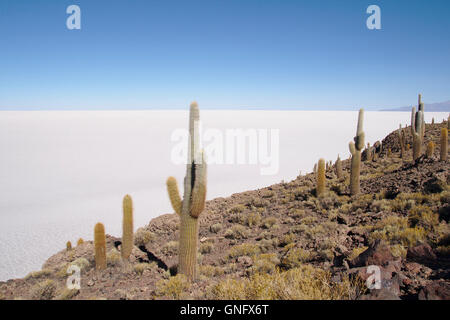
(283, 242)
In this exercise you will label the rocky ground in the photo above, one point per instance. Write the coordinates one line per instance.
(283, 242)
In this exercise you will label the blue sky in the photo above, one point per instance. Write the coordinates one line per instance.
(276, 54)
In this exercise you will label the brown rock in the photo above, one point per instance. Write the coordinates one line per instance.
(437, 290)
(377, 254)
(422, 254)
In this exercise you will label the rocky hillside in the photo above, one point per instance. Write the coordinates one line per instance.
(283, 242)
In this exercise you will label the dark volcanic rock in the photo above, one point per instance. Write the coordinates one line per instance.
(421, 253)
(437, 290)
(377, 254)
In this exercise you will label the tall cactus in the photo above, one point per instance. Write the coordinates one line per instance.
(444, 144)
(355, 150)
(127, 227)
(193, 201)
(320, 178)
(338, 166)
(430, 149)
(100, 246)
(421, 107)
(402, 141)
(417, 131)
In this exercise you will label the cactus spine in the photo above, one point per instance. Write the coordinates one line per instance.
(444, 144)
(338, 165)
(100, 246)
(193, 201)
(430, 149)
(320, 178)
(127, 228)
(355, 150)
(417, 131)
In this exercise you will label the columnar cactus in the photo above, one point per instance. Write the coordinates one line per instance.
(355, 150)
(100, 246)
(320, 178)
(127, 228)
(444, 144)
(369, 153)
(421, 107)
(417, 131)
(430, 149)
(68, 246)
(402, 141)
(80, 241)
(193, 201)
(338, 166)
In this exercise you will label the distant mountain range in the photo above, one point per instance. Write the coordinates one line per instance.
(434, 107)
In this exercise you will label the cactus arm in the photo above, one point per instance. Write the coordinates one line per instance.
(174, 194)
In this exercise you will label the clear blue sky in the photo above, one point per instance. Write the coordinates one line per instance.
(224, 54)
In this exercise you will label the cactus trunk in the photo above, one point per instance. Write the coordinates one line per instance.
(187, 263)
(354, 173)
(100, 246)
(444, 144)
(127, 228)
(338, 166)
(355, 150)
(320, 178)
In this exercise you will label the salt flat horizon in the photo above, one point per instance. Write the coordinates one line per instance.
(63, 171)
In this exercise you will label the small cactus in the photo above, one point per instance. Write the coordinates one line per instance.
(444, 144)
(430, 149)
(100, 246)
(68, 246)
(80, 241)
(355, 149)
(389, 153)
(338, 166)
(320, 178)
(315, 168)
(193, 201)
(127, 228)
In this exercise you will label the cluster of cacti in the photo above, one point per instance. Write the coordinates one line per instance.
(320, 189)
(100, 246)
(444, 144)
(127, 228)
(430, 149)
(402, 141)
(193, 201)
(338, 166)
(355, 149)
